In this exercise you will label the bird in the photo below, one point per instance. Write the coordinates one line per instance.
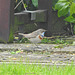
(35, 37)
(33, 34)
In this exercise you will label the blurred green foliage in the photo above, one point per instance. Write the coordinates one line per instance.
(23, 40)
(55, 41)
(48, 41)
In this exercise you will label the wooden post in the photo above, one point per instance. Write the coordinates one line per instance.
(47, 5)
(6, 18)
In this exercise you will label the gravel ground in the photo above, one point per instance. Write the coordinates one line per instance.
(42, 53)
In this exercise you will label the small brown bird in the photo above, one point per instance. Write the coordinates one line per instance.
(35, 36)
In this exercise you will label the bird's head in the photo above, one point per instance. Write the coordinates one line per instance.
(42, 30)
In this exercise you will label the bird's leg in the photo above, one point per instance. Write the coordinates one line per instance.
(37, 46)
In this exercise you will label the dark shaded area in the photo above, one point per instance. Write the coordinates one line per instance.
(54, 24)
(28, 3)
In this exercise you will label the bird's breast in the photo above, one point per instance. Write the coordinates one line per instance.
(40, 37)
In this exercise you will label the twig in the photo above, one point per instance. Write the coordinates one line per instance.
(19, 4)
(50, 37)
(24, 5)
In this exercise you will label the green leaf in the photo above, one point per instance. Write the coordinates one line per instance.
(62, 0)
(63, 11)
(70, 0)
(59, 5)
(35, 3)
(25, 5)
(72, 8)
(13, 52)
(70, 19)
(18, 51)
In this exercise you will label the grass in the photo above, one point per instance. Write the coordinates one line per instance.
(21, 69)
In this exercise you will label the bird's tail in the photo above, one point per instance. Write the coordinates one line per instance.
(21, 34)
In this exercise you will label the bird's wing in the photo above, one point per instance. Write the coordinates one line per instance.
(28, 35)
